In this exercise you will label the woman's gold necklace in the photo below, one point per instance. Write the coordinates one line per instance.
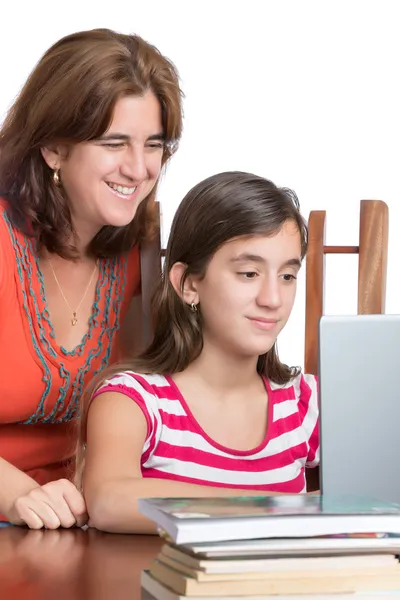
(74, 319)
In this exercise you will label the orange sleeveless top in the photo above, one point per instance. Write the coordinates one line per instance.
(41, 383)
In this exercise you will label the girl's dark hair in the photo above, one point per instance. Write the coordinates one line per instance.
(70, 98)
(223, 207)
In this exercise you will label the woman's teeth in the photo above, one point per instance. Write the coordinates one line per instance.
(122, 189)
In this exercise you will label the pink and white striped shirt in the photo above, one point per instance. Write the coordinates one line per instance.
(177, 448)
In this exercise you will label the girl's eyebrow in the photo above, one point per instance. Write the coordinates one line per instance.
(245, 257)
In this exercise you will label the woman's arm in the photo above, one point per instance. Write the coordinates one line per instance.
(113, 482)
(13, 484)
(24, 502)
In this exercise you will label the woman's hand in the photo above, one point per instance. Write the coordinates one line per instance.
(53, 505)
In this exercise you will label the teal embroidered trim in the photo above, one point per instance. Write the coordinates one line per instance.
(116, 281)
(78, 383)
(122, 271)
(112, 283)
(64, 374)
(78, 351)
(59, 405)
(22, 264)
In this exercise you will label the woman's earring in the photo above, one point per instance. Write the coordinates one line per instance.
(56, 177)
(193, 307)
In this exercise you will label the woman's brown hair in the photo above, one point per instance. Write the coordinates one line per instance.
(70, 97)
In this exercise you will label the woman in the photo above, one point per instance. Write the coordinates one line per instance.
(81, 151)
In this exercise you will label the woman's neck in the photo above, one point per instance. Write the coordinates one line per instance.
(85, 232)
(81, 242)
(81, 259)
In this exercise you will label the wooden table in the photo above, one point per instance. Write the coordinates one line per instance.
(73, 564)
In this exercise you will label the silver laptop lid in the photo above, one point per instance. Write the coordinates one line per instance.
(359, 390)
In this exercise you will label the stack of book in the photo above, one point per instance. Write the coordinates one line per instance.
(283, 546)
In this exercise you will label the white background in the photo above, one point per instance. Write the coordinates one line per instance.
(303, 92)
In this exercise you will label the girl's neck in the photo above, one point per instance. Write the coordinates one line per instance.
(224, 372)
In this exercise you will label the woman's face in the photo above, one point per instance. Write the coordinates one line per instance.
(106, 179)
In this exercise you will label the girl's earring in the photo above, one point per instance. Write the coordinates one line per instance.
(193, 307)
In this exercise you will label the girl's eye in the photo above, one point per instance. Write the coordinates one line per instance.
(249, 274)
(288, 277)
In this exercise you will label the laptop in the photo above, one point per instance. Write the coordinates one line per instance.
(359, 388)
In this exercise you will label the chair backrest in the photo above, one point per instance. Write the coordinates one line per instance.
(372, 268)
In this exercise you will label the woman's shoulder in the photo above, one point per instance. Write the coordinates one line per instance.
(7, 253)
(8, 232)
(4, 221)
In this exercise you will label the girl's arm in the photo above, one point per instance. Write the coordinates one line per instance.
(116, 433)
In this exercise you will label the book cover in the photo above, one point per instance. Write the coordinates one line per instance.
(250, 564)
(287, 569)
(154, 590)
(182, 584)
(193, 520)
(309, 546)
(262, 506)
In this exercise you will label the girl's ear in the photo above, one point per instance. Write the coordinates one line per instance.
(189, 292)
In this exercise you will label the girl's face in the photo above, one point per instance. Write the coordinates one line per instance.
(105, 180)
(248, 292)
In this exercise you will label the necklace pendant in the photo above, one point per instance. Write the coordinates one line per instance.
(74, 320)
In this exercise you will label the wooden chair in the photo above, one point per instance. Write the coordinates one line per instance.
(372, 267)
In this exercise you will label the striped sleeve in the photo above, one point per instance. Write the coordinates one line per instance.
(307, 392)
(139, 389)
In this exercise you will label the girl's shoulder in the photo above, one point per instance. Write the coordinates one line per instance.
(156, 395)
(302, 387)
(133, 383)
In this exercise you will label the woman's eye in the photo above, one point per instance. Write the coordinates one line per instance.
(116, 145)
(156, 146)
(249, 274)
